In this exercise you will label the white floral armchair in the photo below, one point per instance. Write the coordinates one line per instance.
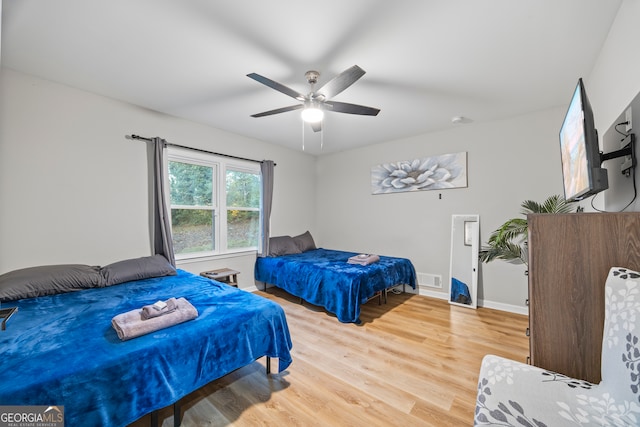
(511, 393)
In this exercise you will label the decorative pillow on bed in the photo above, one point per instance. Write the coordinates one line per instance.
(137, 269)
(305, 242)
(48, 280)
(282, 245)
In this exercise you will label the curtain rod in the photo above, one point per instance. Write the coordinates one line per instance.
(142, 138)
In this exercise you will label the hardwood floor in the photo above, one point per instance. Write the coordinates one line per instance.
(413, 362)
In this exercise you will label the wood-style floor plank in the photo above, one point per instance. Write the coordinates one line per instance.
(413, 362)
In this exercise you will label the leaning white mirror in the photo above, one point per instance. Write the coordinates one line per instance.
(463, 271)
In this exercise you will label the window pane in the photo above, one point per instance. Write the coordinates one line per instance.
(242, 228)
(192, 230)
(191, 185)
(243, 189)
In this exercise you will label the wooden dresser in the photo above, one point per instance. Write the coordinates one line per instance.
(569, 258)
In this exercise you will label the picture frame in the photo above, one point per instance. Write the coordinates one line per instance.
(426, 173)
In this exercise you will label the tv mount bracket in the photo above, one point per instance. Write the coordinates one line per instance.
(627, 150)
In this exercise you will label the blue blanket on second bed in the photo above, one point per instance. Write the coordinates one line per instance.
(61, 350)
(323, 277)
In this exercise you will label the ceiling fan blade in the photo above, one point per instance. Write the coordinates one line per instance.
(341, 82)
(277, 86)
(343, 107)
(317, 127)
(279, 110)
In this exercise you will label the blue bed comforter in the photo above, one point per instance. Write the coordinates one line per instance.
(323, 277)
(62, 350)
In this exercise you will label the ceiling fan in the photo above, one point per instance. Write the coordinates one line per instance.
(314, 103)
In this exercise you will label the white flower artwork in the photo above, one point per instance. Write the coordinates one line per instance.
(427, 173)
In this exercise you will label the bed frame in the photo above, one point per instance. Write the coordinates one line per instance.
(323, 277)
(177, 411)
(62, 350)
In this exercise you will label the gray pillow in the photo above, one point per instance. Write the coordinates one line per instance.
(136, 269)
(305, 242)
(282, 245)
(48, 280)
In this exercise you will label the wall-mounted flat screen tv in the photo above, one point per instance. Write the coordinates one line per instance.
(582, 173)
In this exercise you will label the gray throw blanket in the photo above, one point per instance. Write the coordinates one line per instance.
(132, 324)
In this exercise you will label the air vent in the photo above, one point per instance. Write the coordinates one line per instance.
(430, 280)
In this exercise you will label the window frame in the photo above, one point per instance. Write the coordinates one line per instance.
(237, 167)
(220, 165)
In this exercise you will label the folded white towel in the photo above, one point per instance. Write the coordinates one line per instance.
(131, 324)
(151, 310)
(363, 259)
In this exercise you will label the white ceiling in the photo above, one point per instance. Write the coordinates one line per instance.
(426, 60)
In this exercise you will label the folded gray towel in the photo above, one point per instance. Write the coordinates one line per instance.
(363, 259)
(149, 311)
(131, 324)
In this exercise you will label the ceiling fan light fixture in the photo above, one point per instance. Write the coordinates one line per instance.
(317, 101)
(312, 115)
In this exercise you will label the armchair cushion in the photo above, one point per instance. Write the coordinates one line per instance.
(511, 393)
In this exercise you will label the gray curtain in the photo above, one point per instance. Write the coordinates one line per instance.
(162, 242)
(266, 168)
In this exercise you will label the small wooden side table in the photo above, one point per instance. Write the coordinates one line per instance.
(224, 275)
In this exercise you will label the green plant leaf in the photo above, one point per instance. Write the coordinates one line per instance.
(509, 241)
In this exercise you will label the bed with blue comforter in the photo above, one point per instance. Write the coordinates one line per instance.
(62, 349)
(323, 277)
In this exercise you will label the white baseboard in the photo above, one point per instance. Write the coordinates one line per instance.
(423, 290)
(504, 307)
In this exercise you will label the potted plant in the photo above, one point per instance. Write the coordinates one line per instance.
(509, 242)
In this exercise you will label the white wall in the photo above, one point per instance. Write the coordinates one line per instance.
(74, 190)
(615, 78)
(0, 33)
(509, 161)
(613, 83)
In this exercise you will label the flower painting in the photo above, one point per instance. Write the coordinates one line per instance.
(427, 173)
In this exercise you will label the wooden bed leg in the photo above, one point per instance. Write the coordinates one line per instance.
(154, 418)
(268, 365)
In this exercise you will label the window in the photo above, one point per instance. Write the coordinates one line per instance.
(214, 203)
(243, 208)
